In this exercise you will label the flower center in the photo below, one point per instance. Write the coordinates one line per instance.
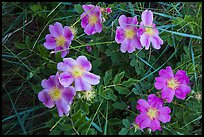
(129, 33)
(172, 83)
(93, 19)
(150, 31)
(60, 40)
(152, 113)
(55, 93)
(77, 71)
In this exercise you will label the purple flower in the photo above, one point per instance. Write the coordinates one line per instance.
(59, 38)
(88, 48)
(126, 34)
(108, 10)
(152, 112)
(77, 71)
(170, 84)
(91, 19)
(148, 31)
(54, 93)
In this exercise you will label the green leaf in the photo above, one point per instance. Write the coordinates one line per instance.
(58, 57)
(107, 77)
(126, 123)
(28, 41)
(122, 90)
(129, 82)
(55, 131)
(133, 62)
(118, 78)
(76, 115)
(20, 45)
(84, 126)
(119, 105)
(123, 131)
(114, 121)
(78, 8)
(108, 94)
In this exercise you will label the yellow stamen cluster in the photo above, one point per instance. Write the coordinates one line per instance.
(152, 113)
(129, 33)
(60, 40)
(93, 19)
(150, 31)
(172, 83)
(77, 71)
(55, 93)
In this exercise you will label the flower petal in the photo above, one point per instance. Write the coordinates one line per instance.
(156, 41)
(49, 83)
(182, 77)
(167, 94)
(66, 79)
(56, 29)
(91, 78)
(46, 99)
(136, 42)
(140, 31)
(142, 105)
(120, 36)
(50, 42)
(98, 27)
(81, 85)
(68, 94)
(155, 125)
(68, 34)
(147, 17)
(62, 107)
(182, 91)
(122, 21)
(88, 8)
(84, 20)
(166, 73)
(130, 46)
(154, 101)
(83, 61)
(89, 30)
(145, 40)
(163, 114)
(123, 47)
(142, 120)
(160, 83)
(65, 51)
(66, 65)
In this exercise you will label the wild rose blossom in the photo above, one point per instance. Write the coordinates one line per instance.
(54, 93)
(171, 84)
(91, 19)
(152, 112)
(148, 31)
(126, 34)
(59, 38)
(77, 71)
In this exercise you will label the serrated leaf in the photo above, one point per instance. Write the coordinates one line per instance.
(118, 77)
(129, 82)
(78, 8)
(133, 62)
(108, 94)
(123, 131)
(122, 90)
(107, 77)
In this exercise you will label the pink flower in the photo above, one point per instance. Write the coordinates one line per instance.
(77, 71)
(54, 93)
(126, 34)
(91, 19)
(151, 113)
(148, 31)
(170, 84)
(108, 10)
(59, 38)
